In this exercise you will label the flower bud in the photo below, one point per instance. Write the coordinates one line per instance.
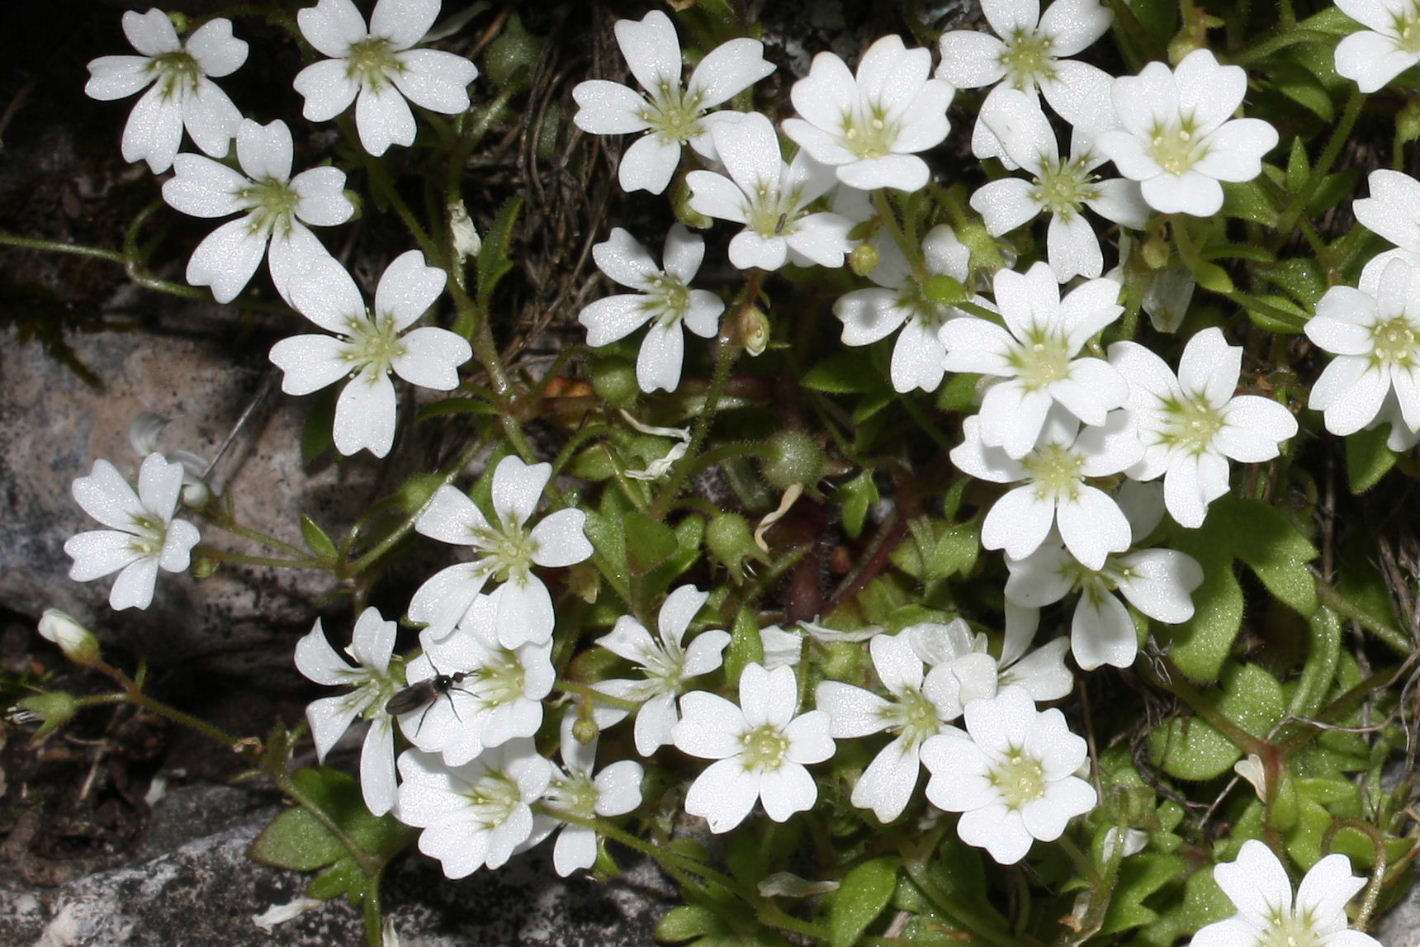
(511, 56)
(751, 331)
(941, 288)
(77, 642)
(585, 730)
(1407, 122)
(52, 708)
(415, 492)
(614, 381)
(864, 259)
(1156, 252)
(792, 457)
(730, 541)
(196, 494)
(680, 206)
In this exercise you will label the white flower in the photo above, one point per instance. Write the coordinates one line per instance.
(1387, 47)
(1158, 582)
(1041, 672)
(869, 127)
(1060, 186)
(144, 435)
(663, 297)
(1259, 888)
(377, 69)
(667, 664)
(77, 642)
(1036, 357)
(276, 208)
(616, 790)
(670, 116)
(770, 198)
(920, 704)
(1376, 338)
(1012, 778)
(1179, 138)
(181, 96)
(1090, 521)
(1191, 423)
(508, 551)
(495, 693)
(760, 749)
(142, 534)
(1029, 56)
(371, 686)
(477, 814)
(368, 345)
(901, 300)
(1393, 212)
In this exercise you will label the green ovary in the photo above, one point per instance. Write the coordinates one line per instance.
(1020, 779)
(1055, 470)
(869, 137)
(1041, 360)
(672, 115)
(915, 717)
(1027, 58)
(764, 748)
(1193, 425)
(371, 63)
(1177, 150)
(1394, 343)
(1062, 189)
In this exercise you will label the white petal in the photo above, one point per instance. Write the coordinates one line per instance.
(727, 70)
(264, 151)
(217, 51)
(715, 195)
(151, 33)
(431, 358)
(408, 288)
(154, 130)
(1073, 25)
(852, 711)
(330, 717)
(649, 164)
(1018, 523)
(318, 661)
(786, 790)
(451, 517)
(651, 48)
(524, 612)
(559, 539)
(383, 118)
(886, 785)
(918, 359)
(724, 794)
(377, 783)
(1072, 248)
(435, 80)
(203, 187)
(1092, 526)
(608, 108)
(1102, 633)
(310, 362)
(706, 726)
(1235, 150)
(117, 77)
(659, 362)
(99, 552)
(327, 89)
(1005, 204)
(970, 59)
(656, 724)
(291, 254)
(403, 22)
(365, 415)
(332, 26)
(226, 259)
(517, 486)
(210, 118)
(1256, 882)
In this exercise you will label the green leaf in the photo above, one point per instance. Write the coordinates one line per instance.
(746, 645)
(1368, 459)
(687, 922)
(316, 539)
(1249, 200)
(1299, 85)
(844, 373)
(1213, 277)
(655, 542)
(1139, 877)
(864, 893)
(1334, 188)
(855, 498)
(1190, 748)
(494, 260)
(1302, 278)
(958, 393)
(1299, 166)
(295, 839)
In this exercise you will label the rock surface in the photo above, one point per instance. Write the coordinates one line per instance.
(186, 888)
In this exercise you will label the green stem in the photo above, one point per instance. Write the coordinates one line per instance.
(1280, 41)
(1339, 137)
(370, 865)
(374, 921)
(133, 693)
(1394, 638)
(222, 555)
(953, 907)
(725, 354)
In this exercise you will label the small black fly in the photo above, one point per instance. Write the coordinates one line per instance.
(427, 691)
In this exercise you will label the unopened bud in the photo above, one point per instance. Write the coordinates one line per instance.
(52, 708)
(1407, 123)
(196, 494)
(730, 541)
(614, 381)
(1155, 252)
(792, 457)
(941, 288)
(179, 21)
(415, 492)
(77, 642)
(680, 206)
(585, 730)
(752, 331)
(204, 568)
(864, 259)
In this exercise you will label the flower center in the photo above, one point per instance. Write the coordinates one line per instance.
(869, 136)
(764, 748)
(668, 298)
(1019, 779)
(150, 534)
(575, 794)
(1041, 360)
(1290, 930)
(371, 62)
(1063, 187)
(501, 679)
(771, 212)
(1394, 342)
(374, 343)
(1176, 150)
(177, 73)
(1193, 424)
(272, 202)
(673, 115)
(493, 798)
(507, 553)
(1055, 470)
(914, 716)
(1407, 30)
(1027, 58)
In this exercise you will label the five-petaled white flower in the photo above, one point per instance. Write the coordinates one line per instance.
(1191, 424)
(476, 814)
(1259, 888)
(760, 749)
(276, 208)
(1375, 337)
(1055, 492)
(901, 299)
(507, 549)
(921, 703)
(369, 344)
(770, 198)
(142, 534)
(1388, 46)
(667, 665)
(670, 116)
(1035, 356)
(371, 686)
(1028, 56)
(869, 127)
(1061, 187)
(182, 95)
(663, 297)
(1179, 138)
(494, 694)
(1012, 778)
(616, 790)
(377, 69)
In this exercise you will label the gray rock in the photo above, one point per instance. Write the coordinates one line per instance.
(1400, 927)
(204, 890)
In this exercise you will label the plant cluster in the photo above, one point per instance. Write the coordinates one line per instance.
(935, 635)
